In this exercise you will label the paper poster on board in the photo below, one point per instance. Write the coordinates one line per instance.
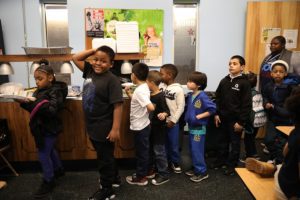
(150, 27)
(94, 22)
(268, 34)
(291, 36)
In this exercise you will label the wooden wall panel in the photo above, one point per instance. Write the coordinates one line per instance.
(284, 15)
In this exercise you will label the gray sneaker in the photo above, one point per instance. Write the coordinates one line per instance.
(200, 177)
(159, 180)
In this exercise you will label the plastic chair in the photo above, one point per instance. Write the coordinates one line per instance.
(6, 161)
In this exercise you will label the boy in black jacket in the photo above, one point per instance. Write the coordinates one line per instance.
(234, 103)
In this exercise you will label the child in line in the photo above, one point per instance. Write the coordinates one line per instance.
(274, 95)
(287, 175)
(234, 103)
(102, 104)
(199, 108)
(158, 156)
(140, 107)
(45, 124)
(174, 95)
(250, 130)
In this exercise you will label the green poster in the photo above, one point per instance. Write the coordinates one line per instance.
(150, 24)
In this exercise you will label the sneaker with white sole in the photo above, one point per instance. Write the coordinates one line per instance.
(103, 194)
(190, 172)
(151, 174)
(266, 150)
(116, 183)
(176, 168)
(199, 177)
(159, 180)
(134, 180)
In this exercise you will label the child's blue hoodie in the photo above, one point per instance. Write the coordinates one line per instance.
(200, 104)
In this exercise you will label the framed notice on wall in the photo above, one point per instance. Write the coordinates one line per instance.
(101, 23)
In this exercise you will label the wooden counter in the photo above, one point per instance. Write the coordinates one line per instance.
(73, 143)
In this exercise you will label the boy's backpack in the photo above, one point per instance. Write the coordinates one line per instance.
(258, 114)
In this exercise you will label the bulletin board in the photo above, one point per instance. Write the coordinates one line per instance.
(100, 23)
(278, 17)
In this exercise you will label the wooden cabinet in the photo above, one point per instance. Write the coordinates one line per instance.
(73, 143)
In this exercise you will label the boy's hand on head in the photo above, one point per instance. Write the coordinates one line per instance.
(113, 136)
(170, 124)
(217, 120)
(237, 127)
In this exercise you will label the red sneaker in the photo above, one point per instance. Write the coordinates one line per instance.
(134, 180)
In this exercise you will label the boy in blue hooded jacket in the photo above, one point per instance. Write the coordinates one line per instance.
(199, 109)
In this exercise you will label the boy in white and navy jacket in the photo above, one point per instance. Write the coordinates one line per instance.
(174, 95)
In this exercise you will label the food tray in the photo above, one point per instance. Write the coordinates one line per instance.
(47, 50)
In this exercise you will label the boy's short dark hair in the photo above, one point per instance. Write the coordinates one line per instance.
(155, 77)
(240, 58)
(109, 51)
(252, 77)
(170, 68)
(140, 70)
(199, 78)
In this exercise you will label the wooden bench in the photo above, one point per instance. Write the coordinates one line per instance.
(261, 188)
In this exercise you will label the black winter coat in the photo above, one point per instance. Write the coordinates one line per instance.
(44, 111)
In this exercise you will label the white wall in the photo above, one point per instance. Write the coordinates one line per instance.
(222, 27)
(11, 15)
(221, 31)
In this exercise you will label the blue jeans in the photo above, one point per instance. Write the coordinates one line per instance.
(197, 153)
(141, 139)
(172, 144)
(49, 158)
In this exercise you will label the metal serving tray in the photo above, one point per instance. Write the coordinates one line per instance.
(47, 50)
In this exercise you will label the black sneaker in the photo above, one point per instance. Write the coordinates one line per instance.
(116, 183)
(59, 173)
(176, 168)
(159, 180)
(199, 177)
(103, 194)
(229, 171)
(44, 189)
(217, 164)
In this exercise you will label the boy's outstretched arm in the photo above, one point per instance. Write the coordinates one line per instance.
(114, 133)
(79, 58)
